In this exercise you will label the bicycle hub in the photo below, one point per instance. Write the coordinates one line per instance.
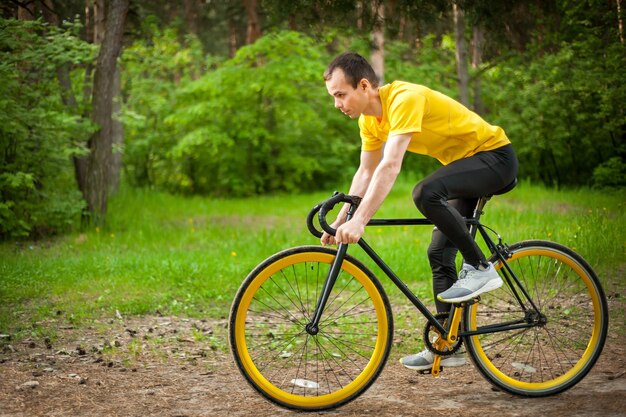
(311, 329)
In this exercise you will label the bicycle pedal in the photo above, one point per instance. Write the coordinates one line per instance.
(467, 303)
(429, 371)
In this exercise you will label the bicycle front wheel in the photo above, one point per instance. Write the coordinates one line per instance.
(571, 321)
(286, 364)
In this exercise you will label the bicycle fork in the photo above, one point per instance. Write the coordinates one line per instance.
(313, 327)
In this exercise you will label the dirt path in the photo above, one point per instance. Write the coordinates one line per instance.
(168, 366)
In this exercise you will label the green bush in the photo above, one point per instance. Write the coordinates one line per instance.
(611, 173)
(38, 134)
(153, 70)
(260, 122)
(563, 111)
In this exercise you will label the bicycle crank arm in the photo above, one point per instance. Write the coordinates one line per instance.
(436, 369)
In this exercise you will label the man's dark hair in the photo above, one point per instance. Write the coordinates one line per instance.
(355, 68)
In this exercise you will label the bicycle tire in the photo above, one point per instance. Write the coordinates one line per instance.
(550, 358)
(285, 364)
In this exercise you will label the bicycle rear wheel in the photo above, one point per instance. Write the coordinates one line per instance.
(570, 329)
(280, 359)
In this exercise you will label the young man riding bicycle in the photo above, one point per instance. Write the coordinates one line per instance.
(477, 159)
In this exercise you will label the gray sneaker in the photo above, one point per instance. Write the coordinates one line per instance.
(471, 282)
(424, 360)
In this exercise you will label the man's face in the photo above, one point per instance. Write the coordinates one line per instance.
(351, 101)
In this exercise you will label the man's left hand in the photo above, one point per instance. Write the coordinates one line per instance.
(350, 232)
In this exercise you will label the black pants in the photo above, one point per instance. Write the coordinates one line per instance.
(451, 193)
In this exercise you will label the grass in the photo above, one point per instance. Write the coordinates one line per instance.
(174, 255)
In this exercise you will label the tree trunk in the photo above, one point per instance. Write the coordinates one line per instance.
(89, 37)
(80, 162)
(477, 60)
(89, 20)
(620, 25)
(63, 73)
(94, 28)
(461, 54)
(254, 27)
(117, 132)
(378, 40)
(293, 22)
(232, 37)
(98, 173)
(26, 11)
(99, 21)
(191, 16)
(359, 15)
(67, 93)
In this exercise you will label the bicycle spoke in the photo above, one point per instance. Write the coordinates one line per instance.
(545, 358)
(297, 291)
(330, 370)
(282, 357)
(279, 303)
(331, 315)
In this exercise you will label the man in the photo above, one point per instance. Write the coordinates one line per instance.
(477, 159)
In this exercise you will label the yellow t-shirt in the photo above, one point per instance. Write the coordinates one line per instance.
(442, 127)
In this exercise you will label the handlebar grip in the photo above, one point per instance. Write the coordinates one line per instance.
(309, 221)
(324, 207)
(327, 206)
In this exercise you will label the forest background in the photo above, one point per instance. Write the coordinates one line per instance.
(153, 152)
(225, 98)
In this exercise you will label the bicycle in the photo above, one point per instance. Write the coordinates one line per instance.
(311, 327)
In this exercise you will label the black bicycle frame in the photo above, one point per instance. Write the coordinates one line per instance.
(392, 275)
(498, 250)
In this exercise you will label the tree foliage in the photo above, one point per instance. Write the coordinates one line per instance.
(203, 113)
(155, 69)
(564, 110)
(260, 122)
(38, 135)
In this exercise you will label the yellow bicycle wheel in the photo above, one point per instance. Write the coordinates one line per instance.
(291, 367)
(547, 349)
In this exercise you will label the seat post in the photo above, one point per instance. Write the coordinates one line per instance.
(478, 211)
(482, 201)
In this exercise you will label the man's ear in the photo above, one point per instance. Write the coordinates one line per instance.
(364, 83)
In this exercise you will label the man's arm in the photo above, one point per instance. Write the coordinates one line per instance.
(360, 182)
(379, 186)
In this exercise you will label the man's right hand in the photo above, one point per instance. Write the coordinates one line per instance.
(327, 239)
